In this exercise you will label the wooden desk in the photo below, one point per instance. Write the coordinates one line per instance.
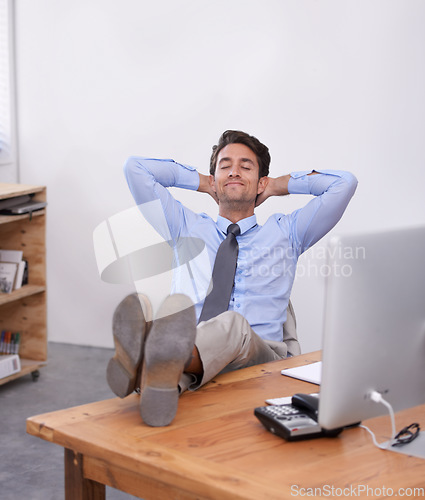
(217, 449)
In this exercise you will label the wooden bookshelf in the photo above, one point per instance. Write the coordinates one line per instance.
(24, 310)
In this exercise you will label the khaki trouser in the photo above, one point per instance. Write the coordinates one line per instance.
(227, 342)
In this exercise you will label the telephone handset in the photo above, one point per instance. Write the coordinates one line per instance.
(307, 402)
(294, 421)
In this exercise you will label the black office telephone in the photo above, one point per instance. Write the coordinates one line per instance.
(294, 421)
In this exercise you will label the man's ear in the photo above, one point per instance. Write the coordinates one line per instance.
(212, 183)
(262, 184)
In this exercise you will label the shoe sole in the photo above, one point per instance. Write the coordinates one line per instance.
(130, 326)
(168, 348)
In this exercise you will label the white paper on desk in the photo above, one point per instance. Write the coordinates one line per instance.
(310, 373)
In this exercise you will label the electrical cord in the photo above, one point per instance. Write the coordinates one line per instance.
(377, 398)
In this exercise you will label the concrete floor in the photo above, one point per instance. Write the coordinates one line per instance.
(30, 467)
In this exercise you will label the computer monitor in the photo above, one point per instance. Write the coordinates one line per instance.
(374, 327)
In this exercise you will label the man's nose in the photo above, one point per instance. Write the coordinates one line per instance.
(235, 171)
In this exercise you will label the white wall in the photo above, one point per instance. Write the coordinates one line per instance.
(325, 84)
(8, 132)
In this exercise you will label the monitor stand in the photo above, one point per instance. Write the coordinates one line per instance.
(416, 448)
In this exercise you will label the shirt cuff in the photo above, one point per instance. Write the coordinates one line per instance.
(299, 181)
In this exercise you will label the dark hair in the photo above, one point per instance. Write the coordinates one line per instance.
(237, 137)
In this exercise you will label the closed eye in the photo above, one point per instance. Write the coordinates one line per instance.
(247, 164)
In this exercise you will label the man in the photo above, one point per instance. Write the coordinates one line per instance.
(179, 353)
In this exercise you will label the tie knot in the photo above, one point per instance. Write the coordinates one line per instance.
(234, 229)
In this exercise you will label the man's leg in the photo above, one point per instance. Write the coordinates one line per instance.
(224, 343)
(178, 354)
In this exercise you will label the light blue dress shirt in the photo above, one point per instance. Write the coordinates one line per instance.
(268, 254)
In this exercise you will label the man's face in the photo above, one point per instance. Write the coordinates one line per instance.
(236, 175)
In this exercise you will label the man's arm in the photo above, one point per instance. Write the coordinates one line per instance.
(276, 186)
(148, 180)
(332, 190)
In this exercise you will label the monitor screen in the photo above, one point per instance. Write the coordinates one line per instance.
(374, 330)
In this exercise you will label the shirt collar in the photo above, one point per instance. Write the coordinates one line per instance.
(244, 224)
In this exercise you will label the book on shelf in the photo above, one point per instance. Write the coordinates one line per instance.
(7, 276)
(13, 270)
(21, 274)
(9, 342)
(11, 255)
(9, 365)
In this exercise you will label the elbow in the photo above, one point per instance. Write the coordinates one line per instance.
(130, 165)
(351, 183)
(135, 175)
(135, 170)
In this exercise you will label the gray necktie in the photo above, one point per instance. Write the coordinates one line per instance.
(223, 275)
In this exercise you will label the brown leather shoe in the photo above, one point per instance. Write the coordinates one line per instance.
(130, 325)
